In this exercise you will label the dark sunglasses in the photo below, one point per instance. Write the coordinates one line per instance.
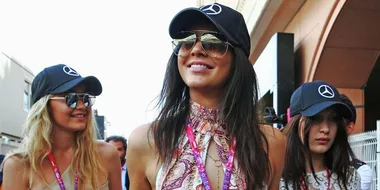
(72, 99)
(213, 43)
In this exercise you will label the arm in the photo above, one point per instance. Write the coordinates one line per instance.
(111, 161)
(14, 174)
(366, 176)
(276, 154)
(138, 153)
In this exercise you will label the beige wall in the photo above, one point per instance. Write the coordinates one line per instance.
(12, 77)
(311, 25)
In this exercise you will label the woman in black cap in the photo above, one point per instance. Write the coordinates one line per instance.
(318, 152)
(59, 149)
(207, 133)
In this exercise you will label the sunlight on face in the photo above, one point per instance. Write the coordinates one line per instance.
(199, 70)
(67, 118)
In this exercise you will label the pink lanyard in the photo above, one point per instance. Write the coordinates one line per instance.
(58, 174)
(304, 186)
(201, 167)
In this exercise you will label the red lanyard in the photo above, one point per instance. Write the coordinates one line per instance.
(304, 186)
(58, 174)
(201, 167)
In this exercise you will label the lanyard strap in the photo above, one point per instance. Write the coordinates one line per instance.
(304, 186)
(58, 174)
(201, 167)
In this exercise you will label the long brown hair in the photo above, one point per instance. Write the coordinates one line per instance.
(298, 154)
(239, 110)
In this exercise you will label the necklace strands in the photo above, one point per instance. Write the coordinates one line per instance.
(200, 165)
(217, 163)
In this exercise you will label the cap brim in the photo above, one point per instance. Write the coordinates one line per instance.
(317, 108)
(190, 17)
(91, 83)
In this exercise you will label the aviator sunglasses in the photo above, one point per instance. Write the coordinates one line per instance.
(213, 43)
(72, 99)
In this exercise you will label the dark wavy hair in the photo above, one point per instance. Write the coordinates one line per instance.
(348, 102)
(337, 158)
(117, 138)
(239, 110)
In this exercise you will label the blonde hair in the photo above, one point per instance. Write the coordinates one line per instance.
(36, 145)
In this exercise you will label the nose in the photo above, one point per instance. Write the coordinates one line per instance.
(324, 127)
(198, 49)
(80, 104)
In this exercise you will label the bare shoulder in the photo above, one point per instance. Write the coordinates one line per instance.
(274, 136)
(276, 145)
(276, 153)
(13, 163)
(106, 150)
(141, 139)
(15, 173)
(142, 158)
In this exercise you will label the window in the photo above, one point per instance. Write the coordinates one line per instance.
(27, 95)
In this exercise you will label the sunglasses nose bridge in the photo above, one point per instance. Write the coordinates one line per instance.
(198, 46)
(81, 100)
(78, 101)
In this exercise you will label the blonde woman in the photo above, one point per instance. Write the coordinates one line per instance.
(60, 150)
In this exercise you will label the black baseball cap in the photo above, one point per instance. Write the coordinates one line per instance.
(313, 97)
(228, 21)
(61, 78)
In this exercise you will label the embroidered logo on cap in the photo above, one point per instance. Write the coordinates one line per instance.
(70, 71)
(326, 91)
(212, 9)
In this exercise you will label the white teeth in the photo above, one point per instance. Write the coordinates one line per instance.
(79, 116)
(203, 66)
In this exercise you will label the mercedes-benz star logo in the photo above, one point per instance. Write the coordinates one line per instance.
(70, 71)
(326, 91)
(212, 9)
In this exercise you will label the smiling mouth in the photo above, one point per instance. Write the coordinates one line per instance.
(199, 66)
(78, 116)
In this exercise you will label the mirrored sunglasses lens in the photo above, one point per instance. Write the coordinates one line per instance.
(72, 100)
(184, 43)
(213, 45)
(88, 100)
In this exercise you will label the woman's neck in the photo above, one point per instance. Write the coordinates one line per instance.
(62, 140)
(205, 98)
(318, 161)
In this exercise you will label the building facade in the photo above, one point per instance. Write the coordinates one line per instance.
(15, 100)
(334, 40)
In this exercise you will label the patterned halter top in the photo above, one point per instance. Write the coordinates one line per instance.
(181, 172)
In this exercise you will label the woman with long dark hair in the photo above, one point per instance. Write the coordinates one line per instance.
(207, 134)
(318, 152)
